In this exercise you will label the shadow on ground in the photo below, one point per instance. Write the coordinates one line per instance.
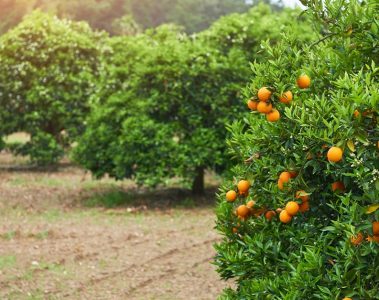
(141, 199)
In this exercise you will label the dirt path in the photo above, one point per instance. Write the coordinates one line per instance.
(53, 248)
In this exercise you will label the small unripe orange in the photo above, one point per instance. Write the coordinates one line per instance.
(292, 208)
(273, 116)
(264, 94)
(303, 81)
(334, 154)
(286, 97)
(231, 196)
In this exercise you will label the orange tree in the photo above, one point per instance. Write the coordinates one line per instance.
(307, 225)
(48, 72)
(167, 97)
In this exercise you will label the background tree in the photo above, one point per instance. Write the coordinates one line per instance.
(101, 14)
(48, 72)
(308, 226)
(179, 92)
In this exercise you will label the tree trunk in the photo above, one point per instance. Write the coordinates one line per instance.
(198, 182)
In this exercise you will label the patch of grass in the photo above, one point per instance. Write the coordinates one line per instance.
(52, 215)
(9, 235)
(187, 203)
(7, 261)
(109, 200)
(43, 235)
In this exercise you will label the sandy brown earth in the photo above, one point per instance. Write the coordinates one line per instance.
(58, 241)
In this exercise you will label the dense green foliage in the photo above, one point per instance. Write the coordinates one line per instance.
(322, 253)
(48, 73)
(166, 98)
(193, 15)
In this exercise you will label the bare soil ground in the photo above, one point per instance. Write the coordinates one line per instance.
(61, 238)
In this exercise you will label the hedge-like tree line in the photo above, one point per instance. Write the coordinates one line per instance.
(158, 101)
(107, 14)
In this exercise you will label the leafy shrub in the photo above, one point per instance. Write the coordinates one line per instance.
(166, 99)
(48, 72)
(329, 249)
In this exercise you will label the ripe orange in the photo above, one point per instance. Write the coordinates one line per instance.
(375, 227)
(250, 204)
(264, 107)
(285, 217)
(280, 185)
(335, 154)
(293, 174)
(252, 104)
(243, 211)
(243, 186)
(231, 196)
(273, 116)
(285, 177)
(303, 81)
(374, 238)
(347, 298)
(264, 94)
(270, 214)
(303, 207)
(356, 113)
(292, 208)
(303, 198)
(357, 239)
(338, 186)
(286, 97)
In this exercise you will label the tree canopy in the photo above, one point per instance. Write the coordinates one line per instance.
(193, 15)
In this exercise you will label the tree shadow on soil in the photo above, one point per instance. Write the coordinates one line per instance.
(143, 199)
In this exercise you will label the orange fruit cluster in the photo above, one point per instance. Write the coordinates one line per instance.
(262, 103)
(292, 207)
